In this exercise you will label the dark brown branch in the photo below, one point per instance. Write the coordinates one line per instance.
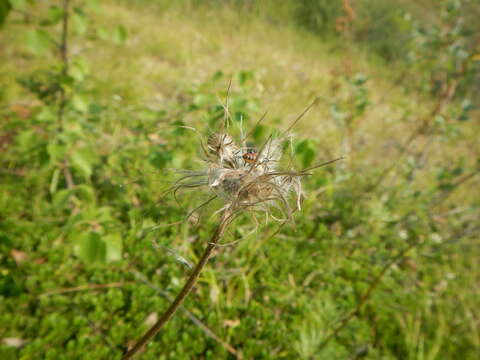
(64, 58)
(190, 315)
(443, 195)
(443, 101)
(187, 288)
(63, 47)
(364, 298)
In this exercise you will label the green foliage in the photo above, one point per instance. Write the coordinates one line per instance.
(305, 150)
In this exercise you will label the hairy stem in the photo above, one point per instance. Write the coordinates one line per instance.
(187, 288)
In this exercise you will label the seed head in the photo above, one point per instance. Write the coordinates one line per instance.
(256, 185)
(248, 179)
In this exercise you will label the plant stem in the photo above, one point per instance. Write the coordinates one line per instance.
(187, 288)
(63, 48)
(64, 58)
(190, 315)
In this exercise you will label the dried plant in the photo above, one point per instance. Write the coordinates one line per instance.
(247, 181)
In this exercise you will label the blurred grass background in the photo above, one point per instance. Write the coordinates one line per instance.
(84, 225)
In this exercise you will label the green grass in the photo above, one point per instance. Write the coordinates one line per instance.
(274, 295)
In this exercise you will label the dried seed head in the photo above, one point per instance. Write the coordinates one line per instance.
(222, 147)
(226, 183)
(246, 178)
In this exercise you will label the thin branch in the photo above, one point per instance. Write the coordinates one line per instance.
(364, 298)
(253, 128)
(190, 315)
(226, 113)
(84, 288)
(64, 58)
(299, 117)
(63, 47)
(443, 195)
(68, 175)
(302, 172)
(200, 206)
(443, 101)
(187, 288)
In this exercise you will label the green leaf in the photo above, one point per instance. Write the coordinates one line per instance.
(38, 41)
(79, 69)
(55, 151)
(46, 115)
(60, 198)
(82, 160)
(120, 35)
(102, 33)
(306, 151)
(467, 105)
(54, 15)
(80, 103)
(104, 214)
(308, 157)
(26, 139)
(114, 247)
(202, 100)
(259, 133)
(86, 193)
(178, 129)
(244, 76)
(90, 248)
(160, 158)
(359, 79)
(54, 181)
(80, 22)
(217, 75)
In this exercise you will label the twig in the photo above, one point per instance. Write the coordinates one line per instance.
(64, 58)
(190, 315)
(84, 288)
(443, 101)
(187, 288)
(368, 293)
(68, 175)
(446, 193)
(299, 117)
(63, 47)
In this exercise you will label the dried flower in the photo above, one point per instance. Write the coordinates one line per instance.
(246, 179)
